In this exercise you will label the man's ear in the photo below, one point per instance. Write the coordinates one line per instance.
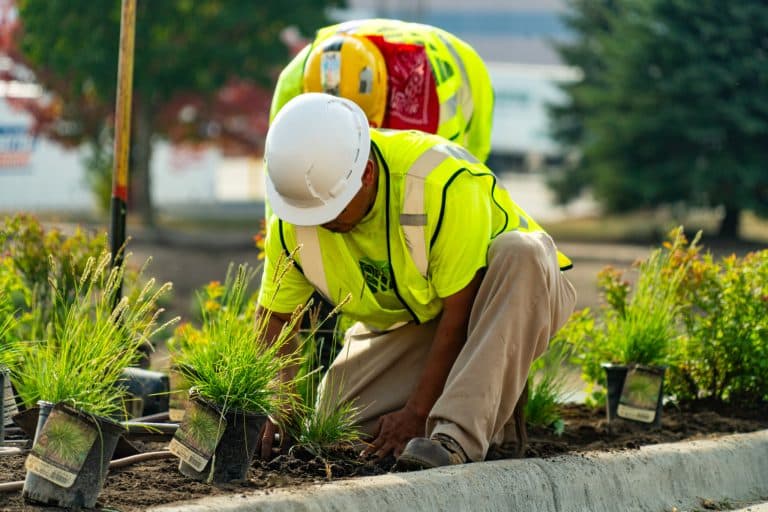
(369, 174)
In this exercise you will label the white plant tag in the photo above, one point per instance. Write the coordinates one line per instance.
(198, 436)
(640, 395)
(61, 449)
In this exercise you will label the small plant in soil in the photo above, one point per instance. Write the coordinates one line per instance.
(313, 428)
(547, 382)
(85, 346)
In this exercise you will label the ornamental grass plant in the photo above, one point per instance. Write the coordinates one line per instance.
(9, 348)
(227, 360)
(635, 325)
(85, 346)
(548, 379)
(313, 428)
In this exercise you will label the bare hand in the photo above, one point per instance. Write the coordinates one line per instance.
(266, 442)
(393, 432)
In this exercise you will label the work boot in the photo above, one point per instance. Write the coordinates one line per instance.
(423, 453)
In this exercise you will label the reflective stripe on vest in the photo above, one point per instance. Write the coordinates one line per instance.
(413, 217)
(451, 98)
(312, 259)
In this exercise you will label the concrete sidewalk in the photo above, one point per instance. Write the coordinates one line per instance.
(678, 476)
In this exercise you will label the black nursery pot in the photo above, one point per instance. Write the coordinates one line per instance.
(91, 476)
(235, 450)
(620, 404)
(615, 374)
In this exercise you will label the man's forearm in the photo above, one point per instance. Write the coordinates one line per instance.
(276, 322)
(448, 341)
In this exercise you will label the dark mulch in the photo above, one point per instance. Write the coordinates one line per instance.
(158, 482)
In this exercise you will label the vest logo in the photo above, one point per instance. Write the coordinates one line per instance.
(377, 275)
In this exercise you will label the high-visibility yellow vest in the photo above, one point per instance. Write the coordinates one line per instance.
(412, 166)
(463, 84)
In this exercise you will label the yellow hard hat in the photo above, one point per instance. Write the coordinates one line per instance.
(351, 67)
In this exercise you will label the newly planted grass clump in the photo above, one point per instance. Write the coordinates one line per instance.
(548, 382)
(317, 429)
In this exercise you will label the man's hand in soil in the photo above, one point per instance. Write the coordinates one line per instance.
(266, 441)
(393, 432)
(265, 446)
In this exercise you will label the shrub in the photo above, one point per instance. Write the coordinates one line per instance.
(724, 353)
(640, 324)
(41, 261)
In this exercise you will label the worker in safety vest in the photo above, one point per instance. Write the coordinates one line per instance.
(403, 75)
(454, 288)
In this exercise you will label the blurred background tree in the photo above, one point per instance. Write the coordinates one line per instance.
(673, 107)
(203, 71)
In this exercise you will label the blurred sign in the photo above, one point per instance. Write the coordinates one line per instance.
(16, 145)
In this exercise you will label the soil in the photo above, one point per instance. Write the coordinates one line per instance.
(152, 483)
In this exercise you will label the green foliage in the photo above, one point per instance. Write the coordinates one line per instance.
(547, 382)
(637, 326)
(35, 262)
(319, 429)
(180, 44)
(227, 359)
(724, 354)
(9, 347)
(673, 107)
(81, 355)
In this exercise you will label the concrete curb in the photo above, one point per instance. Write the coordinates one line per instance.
(653, 478)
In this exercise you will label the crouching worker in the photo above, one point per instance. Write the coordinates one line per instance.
(455, 289)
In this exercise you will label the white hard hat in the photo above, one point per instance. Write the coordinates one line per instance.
(316, 151)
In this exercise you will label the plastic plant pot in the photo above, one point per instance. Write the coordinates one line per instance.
(231, 436)
(615, 374)
(8, 406)
(622, 404)
(70, 460)
(43, 411)
(149, 390)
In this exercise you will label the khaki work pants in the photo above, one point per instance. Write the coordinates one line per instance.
(523, 299)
